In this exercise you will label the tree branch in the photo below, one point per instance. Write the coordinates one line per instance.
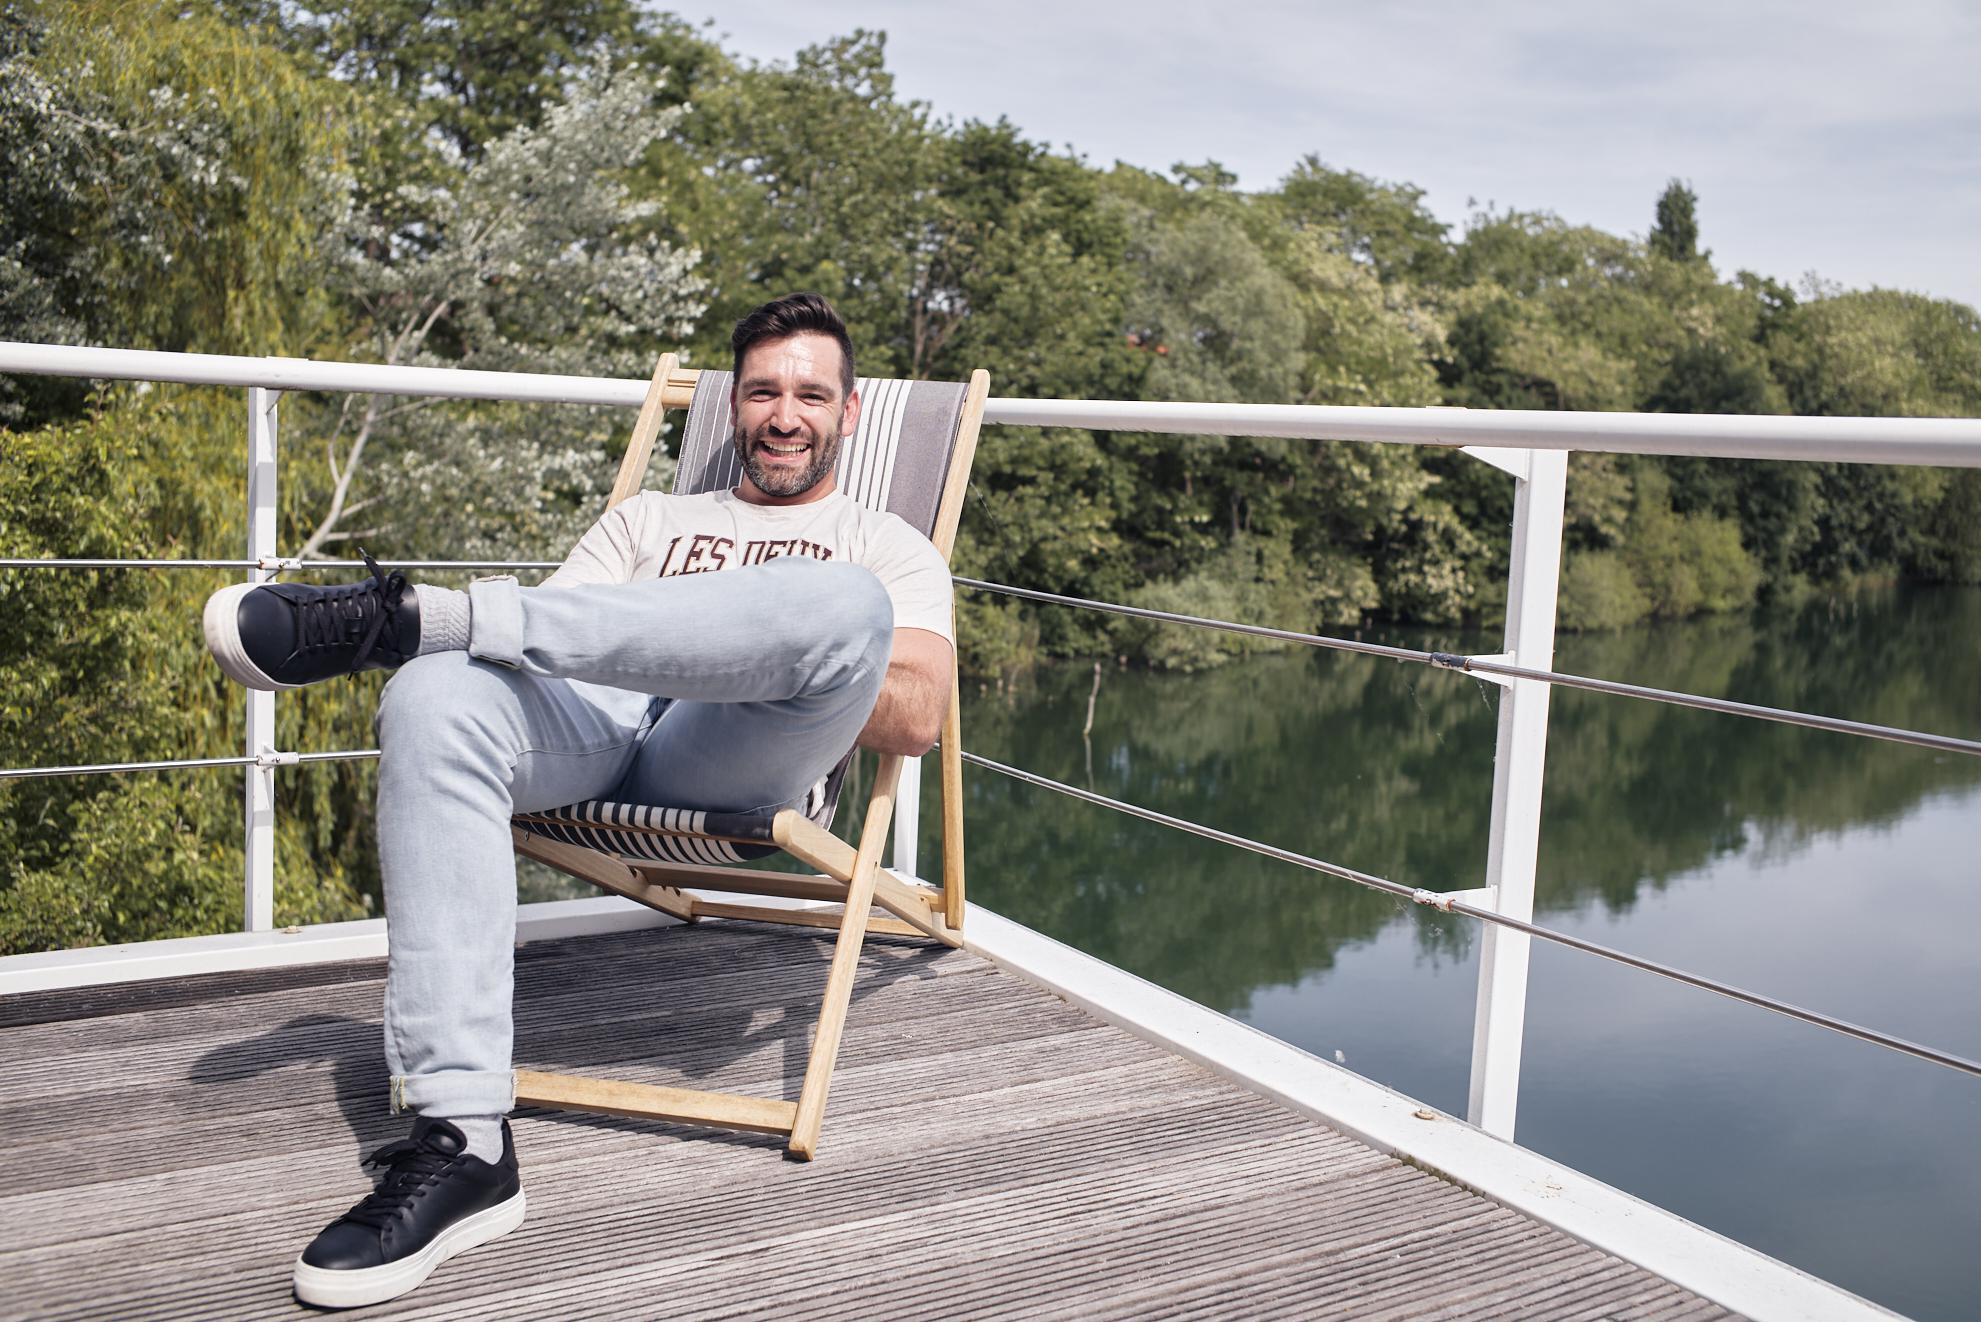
(352, 458)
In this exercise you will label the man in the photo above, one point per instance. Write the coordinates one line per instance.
(716, 652)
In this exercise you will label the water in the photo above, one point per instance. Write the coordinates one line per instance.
(1829, 871)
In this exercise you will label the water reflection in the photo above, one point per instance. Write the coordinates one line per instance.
(1809, 865)
(1388, 768)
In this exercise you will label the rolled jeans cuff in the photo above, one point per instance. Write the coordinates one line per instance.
(450, 1094)
(495, 626)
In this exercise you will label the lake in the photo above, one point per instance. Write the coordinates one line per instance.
(1832, 872)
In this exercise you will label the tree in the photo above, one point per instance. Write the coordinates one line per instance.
(468, 73)
(165, 183)
(1384, 226)
(527, 259)
(1675, 236)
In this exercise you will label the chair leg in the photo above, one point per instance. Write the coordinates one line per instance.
(845, 963)
(952, 806)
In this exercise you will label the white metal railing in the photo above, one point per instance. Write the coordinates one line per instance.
(1939, 442)
(1532, 446)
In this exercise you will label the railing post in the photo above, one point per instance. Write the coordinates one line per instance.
(1519, 761)
(258, 904)
(907, 816)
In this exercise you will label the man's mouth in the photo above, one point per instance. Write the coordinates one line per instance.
(783, 449)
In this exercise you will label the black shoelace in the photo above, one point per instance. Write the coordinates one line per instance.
(339, 616)
(404, 1168)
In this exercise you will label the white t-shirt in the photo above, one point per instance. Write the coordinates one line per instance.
(656, 535)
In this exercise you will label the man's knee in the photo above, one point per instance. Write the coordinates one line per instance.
(858, 610)
(835, 600)
(437, 696)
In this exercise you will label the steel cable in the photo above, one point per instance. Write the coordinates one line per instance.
(1488, 666)
(184, 764)
(1438, 900)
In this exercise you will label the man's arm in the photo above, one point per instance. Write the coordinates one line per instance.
(908, 715)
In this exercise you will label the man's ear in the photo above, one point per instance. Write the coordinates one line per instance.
(849, 417)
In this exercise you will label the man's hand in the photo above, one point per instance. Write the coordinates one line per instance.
(908, 716)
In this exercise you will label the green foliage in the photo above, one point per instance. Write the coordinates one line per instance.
(1384, 226)
(470, 73)
(573, 185)
(1251, 582)
(1598, 591)
(167, 178)
(1671, 565)
(1675, 237)
(108, 667)
(534, 257)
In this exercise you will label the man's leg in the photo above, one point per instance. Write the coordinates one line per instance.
(463, 745)
(790, 632)
(774, 669)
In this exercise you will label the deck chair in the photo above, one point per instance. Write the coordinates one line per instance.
(911, 454)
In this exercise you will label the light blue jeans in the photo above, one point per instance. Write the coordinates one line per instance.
(731, 691)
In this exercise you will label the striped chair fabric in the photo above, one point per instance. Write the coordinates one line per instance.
(897, 459)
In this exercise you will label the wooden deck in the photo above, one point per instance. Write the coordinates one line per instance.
(166, 1148)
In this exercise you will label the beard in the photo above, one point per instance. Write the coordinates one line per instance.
(781, 481)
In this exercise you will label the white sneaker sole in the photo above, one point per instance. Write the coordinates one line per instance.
(222, 623)
(375, 1285)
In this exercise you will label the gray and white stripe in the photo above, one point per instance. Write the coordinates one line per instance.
(875, 468)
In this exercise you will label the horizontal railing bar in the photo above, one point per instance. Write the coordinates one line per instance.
(209, 369)
(1450, 661)
(178, 764)
(1933, 441)
(1937, 442)
(1442, 902)
(282, 564)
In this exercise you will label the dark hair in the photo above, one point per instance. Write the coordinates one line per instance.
(794, 314)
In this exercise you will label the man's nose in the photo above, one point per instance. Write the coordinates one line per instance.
(784, 415)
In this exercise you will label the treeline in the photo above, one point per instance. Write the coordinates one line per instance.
(572, 185)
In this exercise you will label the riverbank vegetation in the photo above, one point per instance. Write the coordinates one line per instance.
(563, 186)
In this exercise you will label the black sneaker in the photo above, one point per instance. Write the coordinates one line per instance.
(433, 1201)
(285, 635)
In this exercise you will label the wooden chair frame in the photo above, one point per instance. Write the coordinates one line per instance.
(850, 876)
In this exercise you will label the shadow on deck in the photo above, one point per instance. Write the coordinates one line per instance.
(166, 1148)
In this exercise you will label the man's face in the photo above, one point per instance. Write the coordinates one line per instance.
(790, 415)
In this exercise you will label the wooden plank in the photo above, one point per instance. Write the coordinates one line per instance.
(744, 881)
(1089, 1172)
(949, 512)
(646, 430)
(951, 761)
(914, 904)
(832, 918)
(845, 960)
(948, 516)
(604, 872)
(808, 842)
(568, 1092)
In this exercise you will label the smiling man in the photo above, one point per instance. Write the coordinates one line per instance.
(717, 652)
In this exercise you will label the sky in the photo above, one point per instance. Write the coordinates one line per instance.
(1832, 137)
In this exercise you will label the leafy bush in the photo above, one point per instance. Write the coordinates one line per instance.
(1599, 592)
(1252, 582)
